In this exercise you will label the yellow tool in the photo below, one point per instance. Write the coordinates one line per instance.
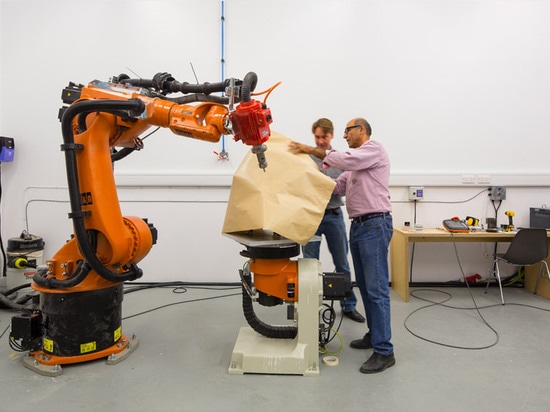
(510, 215)
(471, 221)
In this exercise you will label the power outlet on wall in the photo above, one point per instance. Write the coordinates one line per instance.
(416, 192)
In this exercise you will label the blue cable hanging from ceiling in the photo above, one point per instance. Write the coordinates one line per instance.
(223, 60)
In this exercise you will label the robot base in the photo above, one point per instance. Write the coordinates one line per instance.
(254, 353)
(49, 365)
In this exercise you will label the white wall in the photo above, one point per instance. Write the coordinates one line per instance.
(452, 88)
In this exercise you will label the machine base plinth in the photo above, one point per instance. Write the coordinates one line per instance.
(254, 353)
(49, 365)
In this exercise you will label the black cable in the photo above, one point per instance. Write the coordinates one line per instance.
(432, 303)
(128, 289)
(493, 305)
(496, 207)
(178, 303)
(132, 108)
(434, 201)
(411, 265)
(495, 247)
(179, 287)
(445, 202)
(150, 285)
(265, 329)
(17, 288)
(457, 201)
(4, 258)
(475, 307)
(149, 134)
(8, 303)
(329, 321)
(198, 285)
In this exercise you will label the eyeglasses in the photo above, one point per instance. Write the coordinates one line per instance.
(346, 130)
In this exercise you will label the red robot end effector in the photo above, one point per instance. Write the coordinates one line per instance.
(250, 122)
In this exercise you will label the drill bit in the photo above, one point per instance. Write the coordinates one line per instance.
(259, 151)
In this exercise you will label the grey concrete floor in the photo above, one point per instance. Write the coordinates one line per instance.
(184, 350)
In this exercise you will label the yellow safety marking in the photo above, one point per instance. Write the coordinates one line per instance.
(118, 333)
(47, 345)
(87, 347)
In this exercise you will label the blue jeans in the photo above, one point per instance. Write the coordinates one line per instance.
(334, 229)
(369, 242)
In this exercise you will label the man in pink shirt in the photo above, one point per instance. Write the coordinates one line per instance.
(332, 226)
(365, 182)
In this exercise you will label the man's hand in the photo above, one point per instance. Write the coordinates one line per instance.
(297, 148)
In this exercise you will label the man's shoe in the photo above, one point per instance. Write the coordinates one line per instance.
(377, 363)
(363, 343)
(355, 316)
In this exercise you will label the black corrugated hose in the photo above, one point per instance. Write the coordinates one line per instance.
(270, 331)
(132, 107)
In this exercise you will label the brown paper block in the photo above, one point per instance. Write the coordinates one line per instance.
(289, 198)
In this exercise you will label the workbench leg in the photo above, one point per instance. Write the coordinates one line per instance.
(399, 249)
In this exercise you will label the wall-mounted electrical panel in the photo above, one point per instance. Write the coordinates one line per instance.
(416, 192)
(7, 149)
(497, 193)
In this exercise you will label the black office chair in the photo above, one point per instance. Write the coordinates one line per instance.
(528, 247)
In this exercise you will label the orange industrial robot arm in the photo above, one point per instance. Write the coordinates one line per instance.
(81, 287)
(104, 115)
